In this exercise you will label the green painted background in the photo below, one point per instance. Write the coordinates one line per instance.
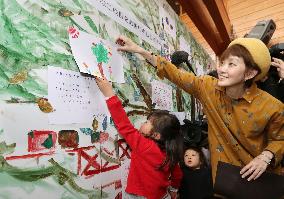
(33, 35)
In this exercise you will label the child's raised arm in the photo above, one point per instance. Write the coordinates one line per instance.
(132, 136)
(105, 87)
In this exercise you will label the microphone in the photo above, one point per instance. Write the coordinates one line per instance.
(179, 57)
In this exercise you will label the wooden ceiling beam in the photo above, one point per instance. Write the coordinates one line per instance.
(221, 19)
(211, 19)
(196, 10)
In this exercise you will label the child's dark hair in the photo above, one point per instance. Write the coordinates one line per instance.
(171, 139)
(240, 51)
(203, 163)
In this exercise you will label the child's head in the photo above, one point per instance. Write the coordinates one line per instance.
(147, 130)
(194, 158)
(160, 125)
(245, 60)
(164, 128)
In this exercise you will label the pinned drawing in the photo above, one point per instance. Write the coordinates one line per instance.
(162, 95)
(96, 56)
(168, 24)
(184, 46)
(199, 69)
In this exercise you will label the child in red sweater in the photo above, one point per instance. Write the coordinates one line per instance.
(156, 149)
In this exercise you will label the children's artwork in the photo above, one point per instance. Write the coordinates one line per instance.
(165, 52)
(96, 56)
(183, 45)
(75, 98)
(162, 95)
(56, 137)
(166, 21)
(110, 163)
(199, 69)
(68, 139)
(124, 170)
(41, 140)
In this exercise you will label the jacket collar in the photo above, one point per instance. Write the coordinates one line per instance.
(250, 94)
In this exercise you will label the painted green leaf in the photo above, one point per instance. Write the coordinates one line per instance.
(101, 53)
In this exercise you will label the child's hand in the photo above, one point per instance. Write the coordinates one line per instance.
(128, 45)
(105, 87)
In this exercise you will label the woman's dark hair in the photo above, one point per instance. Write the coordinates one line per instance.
(242, 52)
(203, 163)
(171, 139)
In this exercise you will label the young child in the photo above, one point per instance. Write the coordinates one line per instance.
(197, 181)
(245, 124)
(156, 149)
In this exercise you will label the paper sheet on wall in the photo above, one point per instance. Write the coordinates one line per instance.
(96, 56)
(128, 20)
(183, 45)
(75, 98)
(167, 22)
(180, 116)
(199, 69)
(162, 95)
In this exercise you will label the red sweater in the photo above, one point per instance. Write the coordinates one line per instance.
(144, 179)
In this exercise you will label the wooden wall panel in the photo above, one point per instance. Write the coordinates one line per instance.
(245, 14)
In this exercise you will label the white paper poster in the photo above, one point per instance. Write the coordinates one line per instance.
(180, 116)
(199, 69)
(75, 98)
(162, 95)
(167, 23)
(184, 46)
(96, 56)
(127, 20)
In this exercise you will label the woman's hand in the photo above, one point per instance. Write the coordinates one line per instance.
(257, 166)
(279, 64)
(105, 87)
(128, 45)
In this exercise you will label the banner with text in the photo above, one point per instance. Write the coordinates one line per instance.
(127, 20)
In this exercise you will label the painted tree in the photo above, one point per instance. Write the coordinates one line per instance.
(102, 55)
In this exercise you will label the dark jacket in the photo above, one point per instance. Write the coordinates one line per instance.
(196, 184)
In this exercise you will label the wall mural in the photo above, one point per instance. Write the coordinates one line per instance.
(56, 137)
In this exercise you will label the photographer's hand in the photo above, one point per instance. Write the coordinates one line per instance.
(279, 64)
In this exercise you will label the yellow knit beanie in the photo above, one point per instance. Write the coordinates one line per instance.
(259, 53)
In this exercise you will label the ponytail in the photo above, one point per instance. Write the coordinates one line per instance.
(171, 140)
(174, 151)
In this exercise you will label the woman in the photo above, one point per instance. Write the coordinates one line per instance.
(245, 124)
